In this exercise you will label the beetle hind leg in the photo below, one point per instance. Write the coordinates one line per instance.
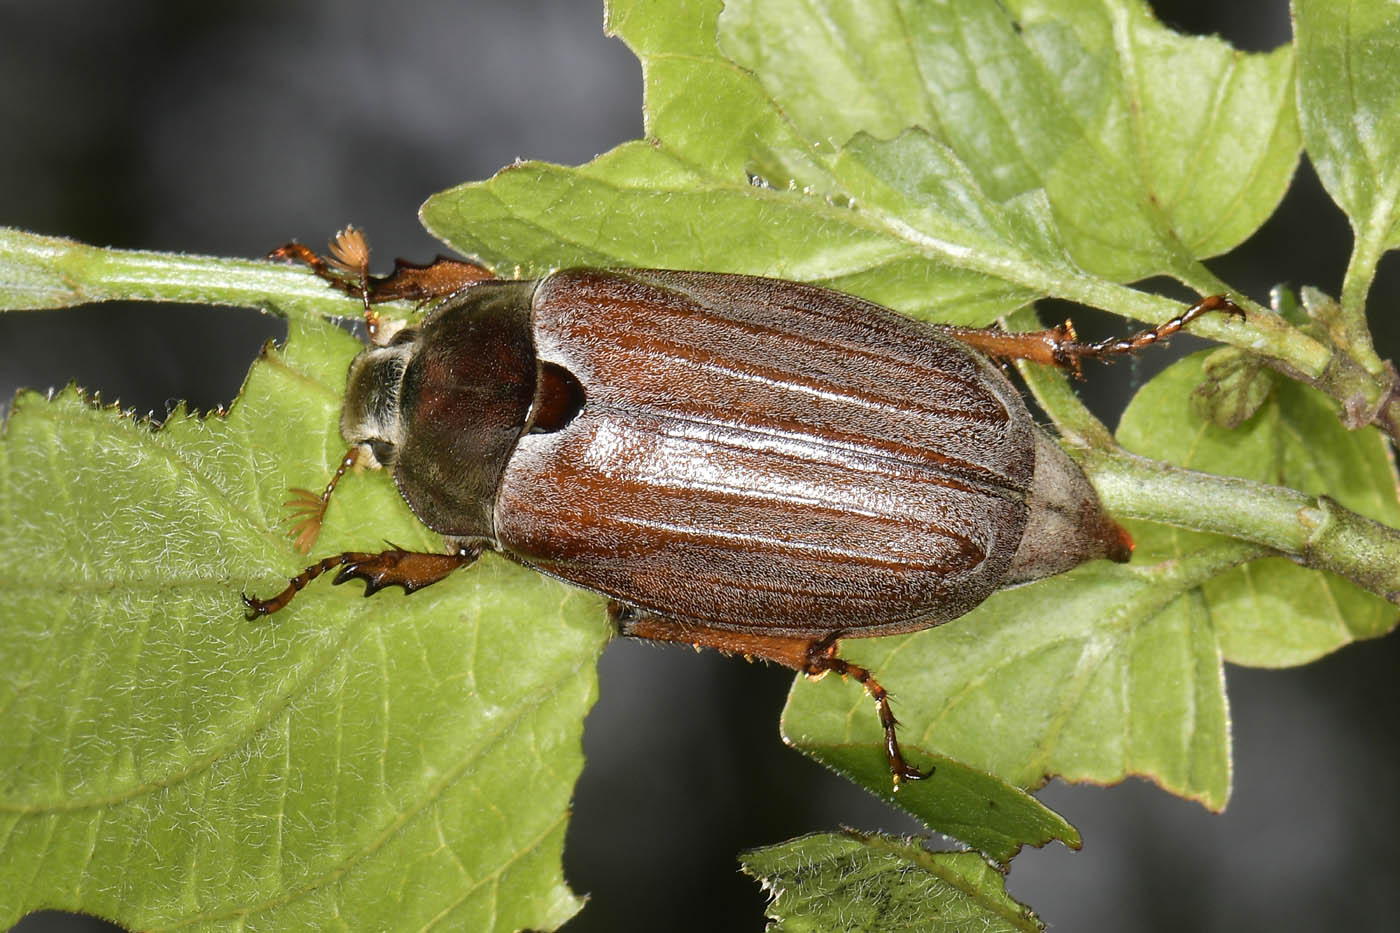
(811, 656)
(822, 657)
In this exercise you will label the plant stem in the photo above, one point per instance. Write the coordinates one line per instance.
(1076, 424)
(1356, 285)
(50, 272)
(1313, 530)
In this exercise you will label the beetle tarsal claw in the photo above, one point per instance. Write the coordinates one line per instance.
(908, 772)
(252, 608)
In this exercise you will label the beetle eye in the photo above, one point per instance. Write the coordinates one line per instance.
(383, 451)
(407, 335)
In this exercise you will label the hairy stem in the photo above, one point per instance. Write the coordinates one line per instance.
(1315, 531)
(38, 272)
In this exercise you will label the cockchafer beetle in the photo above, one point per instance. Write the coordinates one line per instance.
(754, 465)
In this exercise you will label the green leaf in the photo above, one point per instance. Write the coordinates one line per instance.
(959, 801)
(1235, 383)
(1047, 97)
(371, 764)
(1271, 612)
(856, 882)
(943, 159)
(1092, 675)
(1348, 83)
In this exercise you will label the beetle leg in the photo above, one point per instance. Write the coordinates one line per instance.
(632, 622)
(1060, 346)
(822, 657)
(410, 570)
(812, 657)
(347, 269)
(426, 281)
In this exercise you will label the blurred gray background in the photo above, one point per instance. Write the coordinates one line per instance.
(228, 129)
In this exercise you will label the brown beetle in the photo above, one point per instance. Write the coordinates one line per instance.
(749, 464)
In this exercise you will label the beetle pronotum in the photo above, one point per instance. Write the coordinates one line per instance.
(754, 465)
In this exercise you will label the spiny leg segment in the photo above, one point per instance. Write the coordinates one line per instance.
(410, 570)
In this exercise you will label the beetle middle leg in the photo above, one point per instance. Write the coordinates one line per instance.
(812, 656)
(1060, 346)
(409, 570)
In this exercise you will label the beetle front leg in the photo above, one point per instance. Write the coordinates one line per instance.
(813, 657)
(410, 570)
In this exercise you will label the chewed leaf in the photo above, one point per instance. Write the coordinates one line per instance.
(170, 763)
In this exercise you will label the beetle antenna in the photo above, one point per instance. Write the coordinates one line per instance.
(310, 508)
(349, 251)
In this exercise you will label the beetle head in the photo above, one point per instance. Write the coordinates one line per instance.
(372, 417)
